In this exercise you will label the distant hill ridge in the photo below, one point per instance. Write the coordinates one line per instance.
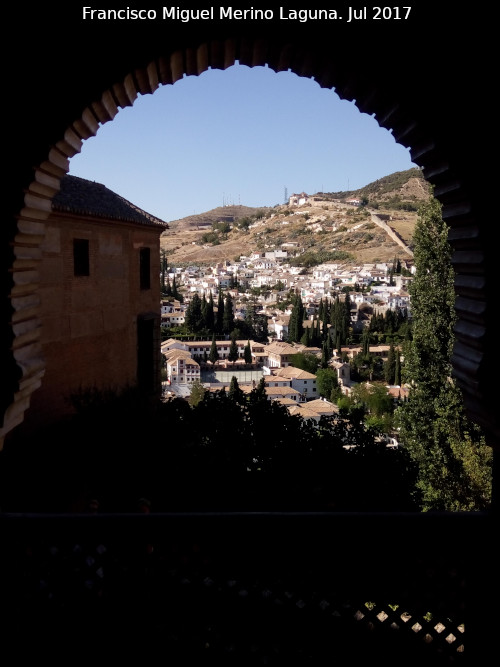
(409, 185)
(228, 213)
(327, 224)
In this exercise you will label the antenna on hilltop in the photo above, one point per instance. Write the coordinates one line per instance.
(286, 195)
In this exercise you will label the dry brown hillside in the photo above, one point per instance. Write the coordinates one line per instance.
(326, 224)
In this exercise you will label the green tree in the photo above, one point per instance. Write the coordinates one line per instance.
(235, 392)
(248, 353)
(390, 366)
(228, 315)
(365, 343)
(167, 290)
(306, 338)
(204, 305)
(374, 398)
(326, 381)
(453, 461)
(220, 312)
(340, 319)
(296, 323)
(325, 354)
(163, 271)
(194, 315)
(306, 361)
(250, 317)
(213, 355)
(233, 350)
(324, 316)
(175, 292)
(260, 328)
(209, 316)
(258, 393)
(428, 361)
(197, 393)
(397, 369)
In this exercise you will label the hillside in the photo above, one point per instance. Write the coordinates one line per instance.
(201, 221)
(325, 226)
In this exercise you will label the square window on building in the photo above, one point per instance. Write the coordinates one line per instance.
(81, 257)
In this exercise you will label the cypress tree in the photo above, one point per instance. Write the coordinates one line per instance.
(397, 370)
(258, 393)
(248, 353)
(250, 319)
(346, 316)
(324, 355)
(296, 324)
(204, 304)
(320, 309)
(228, 316)
(163, 271)
(317, 333)
(213, 355)
(453, 462)
(306, 337)
(235, 392)
(220, 313)
(194, 316)
(365, 343)
(390, 366)
(175, 291)
(209, 314)
(233, 350)
(340, 318)
(168, 287)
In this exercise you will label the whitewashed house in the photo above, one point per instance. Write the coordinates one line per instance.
(181, 367)
(173, 319)
(300, 380)
(298, 199)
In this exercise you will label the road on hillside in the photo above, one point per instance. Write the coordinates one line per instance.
(388, 230)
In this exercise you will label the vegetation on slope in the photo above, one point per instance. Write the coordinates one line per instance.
(327, 225)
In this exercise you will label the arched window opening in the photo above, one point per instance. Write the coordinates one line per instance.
(143, 331)
(271, 572)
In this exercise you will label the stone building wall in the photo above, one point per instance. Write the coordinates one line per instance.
(89, 331)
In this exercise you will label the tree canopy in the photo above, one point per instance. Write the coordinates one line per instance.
(453, 461)
(225, 450)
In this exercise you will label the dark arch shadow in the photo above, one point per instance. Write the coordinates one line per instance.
(73, 94)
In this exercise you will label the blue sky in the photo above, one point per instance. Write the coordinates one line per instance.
(238, 136)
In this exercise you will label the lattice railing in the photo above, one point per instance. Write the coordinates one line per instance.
(245, 590)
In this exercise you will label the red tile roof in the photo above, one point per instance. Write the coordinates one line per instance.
(82, 197)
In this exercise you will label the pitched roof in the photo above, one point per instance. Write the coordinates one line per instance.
(322, 407)
(287, 401)
(174, 355)
(304, 411)
(293, 372)
(280, 347)
(282, 391)
(82, 197)
(398, 392)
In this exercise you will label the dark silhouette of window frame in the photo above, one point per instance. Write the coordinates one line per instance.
(145, 268)
(81, 257)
